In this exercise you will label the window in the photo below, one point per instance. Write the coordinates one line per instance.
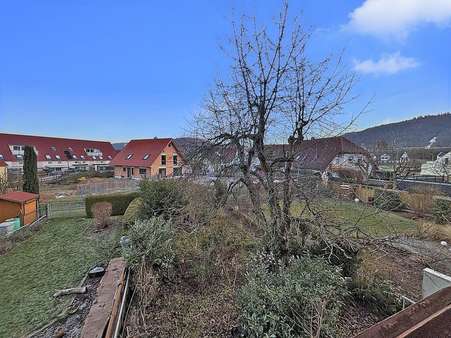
(162, 172)
(129, 156)
(58, 157)
(142, 171)
(53, 148)
(19, 157)
(82, 157)
(123, 169)
(74, 156)
(48, 157)
(17, 148)
(94, 158)
(109, 157)
(163, 159)
(101, 157)
(146, 156)
(174, 159)
(1, 156)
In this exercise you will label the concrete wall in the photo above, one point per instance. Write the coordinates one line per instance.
(434, 281)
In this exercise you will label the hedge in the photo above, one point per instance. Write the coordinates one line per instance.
(119, 202)
(442, 210)
(387, 199)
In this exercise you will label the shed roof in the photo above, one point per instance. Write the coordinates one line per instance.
(18, 196)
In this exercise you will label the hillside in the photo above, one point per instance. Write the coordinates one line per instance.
(416, 132)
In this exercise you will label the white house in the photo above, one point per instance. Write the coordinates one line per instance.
(441, 167)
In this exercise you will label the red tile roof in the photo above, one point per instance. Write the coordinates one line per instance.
(316, 154)
(3, 164)
(18, 196)
(140, 148)
(44, 144)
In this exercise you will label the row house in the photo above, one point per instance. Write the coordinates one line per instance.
(56, 154)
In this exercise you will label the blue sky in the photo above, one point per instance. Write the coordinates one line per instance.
(117, 70)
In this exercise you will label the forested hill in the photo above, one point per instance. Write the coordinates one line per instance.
(416, 132)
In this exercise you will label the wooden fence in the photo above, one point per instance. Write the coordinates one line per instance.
(66, 208)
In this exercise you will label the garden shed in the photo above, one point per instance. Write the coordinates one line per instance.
(18, 204)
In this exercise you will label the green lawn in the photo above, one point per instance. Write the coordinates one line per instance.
(55, 257)
(371, 220)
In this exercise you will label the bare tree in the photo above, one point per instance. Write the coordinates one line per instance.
(275, 92)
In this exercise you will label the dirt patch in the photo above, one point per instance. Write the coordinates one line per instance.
(356, 318)
(182, 310)
(73, 318)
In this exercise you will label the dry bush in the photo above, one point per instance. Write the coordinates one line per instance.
(438, 232)
(102, 214)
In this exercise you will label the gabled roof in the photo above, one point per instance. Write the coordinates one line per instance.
(143, 152)
(18, 196)
(316, 154)
(54, 146)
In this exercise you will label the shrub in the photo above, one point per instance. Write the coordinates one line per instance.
(151, 241)
(102, 214)
(377, 294)
(302, 299)
(161, 198)
(442, 210)
(119, 202)
(133, 212)
(215, 250)
(387, 199)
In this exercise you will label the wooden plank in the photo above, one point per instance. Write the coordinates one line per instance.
(99, 315)
(422, 312)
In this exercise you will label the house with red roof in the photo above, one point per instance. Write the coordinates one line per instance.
(55, 153)
(157, 157)
(331, 156)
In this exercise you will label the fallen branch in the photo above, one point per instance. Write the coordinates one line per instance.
(70, 291)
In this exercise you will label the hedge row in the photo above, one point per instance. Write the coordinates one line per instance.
(119, 202)
(442, 210)
(386, 199)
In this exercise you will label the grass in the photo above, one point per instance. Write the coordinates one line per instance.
(55, 257)
(369, 219)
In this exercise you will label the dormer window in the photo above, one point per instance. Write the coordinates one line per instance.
(94, 158)
(82, 157)
(109, 157)
(53, 148)
(101, 157)
(146, 156)
(74, 156)
(58, 157)
(129, 156)
(1, 156)
(48, 157)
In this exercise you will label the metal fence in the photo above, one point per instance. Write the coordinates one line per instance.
(66, 208)
(113, 185)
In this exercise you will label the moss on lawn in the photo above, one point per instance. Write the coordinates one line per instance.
(55, 257)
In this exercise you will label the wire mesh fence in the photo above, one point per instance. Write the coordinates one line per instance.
(67, 208)
(113, 185)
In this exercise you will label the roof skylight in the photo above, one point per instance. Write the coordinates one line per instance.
(146, 156)
(129, 156)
